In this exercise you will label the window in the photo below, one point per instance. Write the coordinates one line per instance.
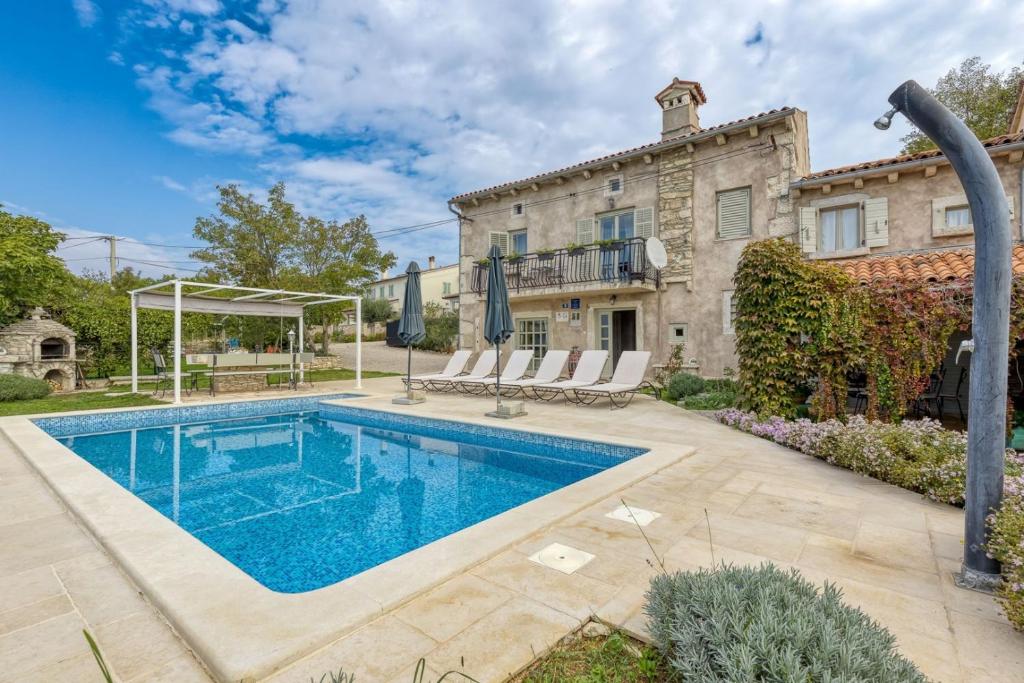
(840, 228)
(728, 312)
(446, 289)
(615, 226)
(532, 334)
(677, 333)
(381, 291)
(733, 209)
(518, 209)
(499, 239)
(958, 216)
(614, 186)
(517, 242)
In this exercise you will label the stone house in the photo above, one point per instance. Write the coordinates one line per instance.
(578, 271)
(706, 193)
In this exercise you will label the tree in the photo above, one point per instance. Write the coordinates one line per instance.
(250, 244)
(984, 99)
(337, 258)
(29, 267)
(377, 311)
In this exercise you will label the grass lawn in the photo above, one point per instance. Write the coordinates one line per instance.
(614, 658)
(313, 375)
(91, 400)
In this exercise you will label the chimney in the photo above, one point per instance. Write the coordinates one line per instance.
(431, 263)
(679, 102)
(383, 273)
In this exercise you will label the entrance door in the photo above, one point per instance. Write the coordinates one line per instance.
(616, 332)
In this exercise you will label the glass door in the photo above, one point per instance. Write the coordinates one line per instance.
(605, 339)
(532, 335)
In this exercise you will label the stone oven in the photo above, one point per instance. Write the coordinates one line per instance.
(39, 347)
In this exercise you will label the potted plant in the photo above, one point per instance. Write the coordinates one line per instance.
(610, 245)
(545, 254)
(483, 263)
(575, 249)
(514, 258)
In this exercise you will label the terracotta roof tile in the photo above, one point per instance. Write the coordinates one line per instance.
(891, 161)
(626, 152)
(927, 266)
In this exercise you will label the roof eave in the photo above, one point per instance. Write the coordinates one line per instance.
(653, 148)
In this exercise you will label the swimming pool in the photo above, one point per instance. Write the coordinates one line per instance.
(301, 495)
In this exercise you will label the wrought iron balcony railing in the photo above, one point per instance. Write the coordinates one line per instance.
(622, 262)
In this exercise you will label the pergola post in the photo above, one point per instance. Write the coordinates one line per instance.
(135, 345)
(359, 343)
(302, 366)
(177, 341)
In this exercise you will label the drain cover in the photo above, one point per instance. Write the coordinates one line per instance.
(561, 557)
(633, 515)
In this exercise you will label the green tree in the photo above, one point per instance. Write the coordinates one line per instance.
(250, 244)
(29, 267)
(983, 98)
(377, 310)
(340, 258)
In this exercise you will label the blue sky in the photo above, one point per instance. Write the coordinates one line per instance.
(122, 117)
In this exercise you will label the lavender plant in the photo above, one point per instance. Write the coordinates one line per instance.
(764, 624)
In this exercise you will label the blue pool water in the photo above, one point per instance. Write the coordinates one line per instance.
(305, 498)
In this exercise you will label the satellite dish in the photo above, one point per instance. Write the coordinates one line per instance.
(656, 253)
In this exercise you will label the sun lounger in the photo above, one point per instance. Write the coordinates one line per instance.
(456, 366)
(483, 368)
(588, 372)
(624, 385)
(549, 371)
(517, 365)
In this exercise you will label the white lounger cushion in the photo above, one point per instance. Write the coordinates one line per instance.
(456, 364)
(549, 370)
(588, 372)
(484, 366)
(515, 368)
(628, 375)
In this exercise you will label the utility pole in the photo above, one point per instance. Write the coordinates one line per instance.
(113, 256)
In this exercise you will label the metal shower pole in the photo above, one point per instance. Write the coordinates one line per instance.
(986, 421)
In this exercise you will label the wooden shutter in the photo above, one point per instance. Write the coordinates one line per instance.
(808, 229)
(643, 221)
(876, 222)
(584, 231)
(734, 213)
(501, 239)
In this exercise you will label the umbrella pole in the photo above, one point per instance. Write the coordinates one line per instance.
(408, 376)
(497, 346)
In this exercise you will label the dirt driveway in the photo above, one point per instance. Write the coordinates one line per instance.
(380, 357)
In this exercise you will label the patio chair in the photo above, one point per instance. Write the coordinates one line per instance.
(955, 395)
(931, 394)
(626, 381)
(163, 377)
(516, 366)
(549, 371)
(483, 367)
(588, 372)
(456, 366)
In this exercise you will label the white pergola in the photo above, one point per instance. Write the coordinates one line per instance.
(171, 295)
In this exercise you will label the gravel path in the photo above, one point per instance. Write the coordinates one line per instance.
(383, 358)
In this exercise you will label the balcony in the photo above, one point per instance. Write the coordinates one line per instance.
(621, 266)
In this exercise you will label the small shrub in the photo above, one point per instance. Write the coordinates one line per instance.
(709, 400)
(753, 624)
(684, 384)
(1007, 542)
(18, 388)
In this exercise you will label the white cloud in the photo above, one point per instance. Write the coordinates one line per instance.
(170, 183)
(400, 105)
(87, 11)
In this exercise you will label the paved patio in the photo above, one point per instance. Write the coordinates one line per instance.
(892, 552)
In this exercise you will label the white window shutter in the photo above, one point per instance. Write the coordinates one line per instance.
(734, 213)
(876, 222)
(808, 229)
(643, 221)
(501, 239)
(584, 231)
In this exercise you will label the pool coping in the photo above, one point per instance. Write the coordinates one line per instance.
(244, 631)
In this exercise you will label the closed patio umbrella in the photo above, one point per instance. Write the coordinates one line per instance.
(410, 326)
(497, 314)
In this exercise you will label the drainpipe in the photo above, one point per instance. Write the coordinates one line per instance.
(986, 421)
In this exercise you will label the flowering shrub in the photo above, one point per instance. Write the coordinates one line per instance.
(1007, 542)
(918, 455)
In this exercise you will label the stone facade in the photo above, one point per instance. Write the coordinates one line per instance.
(675, 214)
(41, 348)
